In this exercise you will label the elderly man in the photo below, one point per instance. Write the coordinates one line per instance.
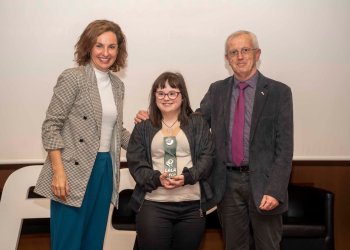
(251, 118)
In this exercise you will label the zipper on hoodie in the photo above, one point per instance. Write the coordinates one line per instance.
(200, 208)
(139, 209)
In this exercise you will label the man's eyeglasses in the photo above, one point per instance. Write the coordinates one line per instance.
(172, 95)
(243, 51)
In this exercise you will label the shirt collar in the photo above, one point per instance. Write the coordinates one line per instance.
(252, 81)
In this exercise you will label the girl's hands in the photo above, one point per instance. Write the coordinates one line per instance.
(171, 183)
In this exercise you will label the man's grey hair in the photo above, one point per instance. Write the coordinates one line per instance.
(242, 32)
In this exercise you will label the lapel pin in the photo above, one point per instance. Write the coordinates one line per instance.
(262, 93)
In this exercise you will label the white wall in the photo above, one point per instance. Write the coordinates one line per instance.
(304, 44)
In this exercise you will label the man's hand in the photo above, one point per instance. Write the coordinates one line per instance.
(268, 203)
(142, 115)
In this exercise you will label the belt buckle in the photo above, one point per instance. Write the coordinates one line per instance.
(244, 169)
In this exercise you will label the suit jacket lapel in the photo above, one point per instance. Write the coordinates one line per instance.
(94, 95)
(261, 94)
(226, 96)
(117, 93)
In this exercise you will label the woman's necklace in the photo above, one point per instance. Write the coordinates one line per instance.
(169, 127)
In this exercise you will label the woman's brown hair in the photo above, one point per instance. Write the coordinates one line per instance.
(89, 37)
(175, 80)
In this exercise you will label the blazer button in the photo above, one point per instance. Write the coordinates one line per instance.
(85, 118)
(76, 163)
(81, 140)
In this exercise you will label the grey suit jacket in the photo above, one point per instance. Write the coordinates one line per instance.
(73, 124)
(271, 138)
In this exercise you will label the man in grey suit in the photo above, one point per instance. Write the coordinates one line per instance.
(251, 192)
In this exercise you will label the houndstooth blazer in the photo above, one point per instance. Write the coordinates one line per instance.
(73, 125)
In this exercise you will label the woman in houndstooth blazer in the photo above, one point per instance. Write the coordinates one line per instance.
(83, 134)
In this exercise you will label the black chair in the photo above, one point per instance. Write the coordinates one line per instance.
(123, 218)
(308, 224)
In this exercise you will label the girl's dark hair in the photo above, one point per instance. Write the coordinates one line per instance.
(175, 80)
(89, 37)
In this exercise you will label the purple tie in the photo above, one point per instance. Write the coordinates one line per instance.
(238, 127)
